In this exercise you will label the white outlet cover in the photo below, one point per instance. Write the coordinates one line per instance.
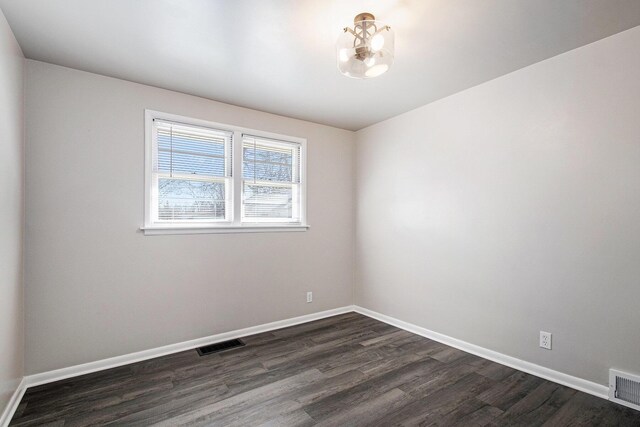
(545, 340)
(309, 296)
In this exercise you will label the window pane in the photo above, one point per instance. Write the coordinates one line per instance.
(267, 154)
(262, 162)
(190, 164)
(267, 171)
(265, 201)
(194, 151)
(281, 156)
(180, 199)
(260, 155)
(190, 143)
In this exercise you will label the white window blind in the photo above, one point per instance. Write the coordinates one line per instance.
(271, 180)
(192, 172)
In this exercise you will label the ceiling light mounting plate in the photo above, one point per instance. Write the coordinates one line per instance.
(365, 16)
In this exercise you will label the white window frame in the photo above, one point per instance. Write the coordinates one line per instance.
(295, 164)
(233, 223)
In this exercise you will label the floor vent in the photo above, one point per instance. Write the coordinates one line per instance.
(624, 388)
(220, 346)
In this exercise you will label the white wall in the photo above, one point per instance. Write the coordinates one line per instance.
(96, 287)
(11, 213)
(514, 207)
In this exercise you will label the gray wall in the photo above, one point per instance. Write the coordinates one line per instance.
(96, 287)
(514, 207)
(11, 213)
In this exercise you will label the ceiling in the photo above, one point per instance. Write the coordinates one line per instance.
(278, 55)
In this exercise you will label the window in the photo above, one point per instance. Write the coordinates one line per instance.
(208, 177)
(191, 176)
(270, 180)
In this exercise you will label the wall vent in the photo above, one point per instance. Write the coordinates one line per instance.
(220, 346)
(624, 388)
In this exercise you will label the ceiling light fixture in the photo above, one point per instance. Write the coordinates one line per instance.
(366, 50)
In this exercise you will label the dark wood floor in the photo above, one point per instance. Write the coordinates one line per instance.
(341, 371)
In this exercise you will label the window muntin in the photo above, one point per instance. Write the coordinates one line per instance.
(203, 176)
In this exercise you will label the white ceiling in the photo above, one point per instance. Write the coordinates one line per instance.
(278, 55)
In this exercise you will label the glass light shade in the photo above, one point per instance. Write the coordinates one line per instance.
(365, 51)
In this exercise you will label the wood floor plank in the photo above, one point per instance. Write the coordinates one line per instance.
(297, 418)
(539, 405)
(343, 370)
(510, 390)
(483, 416)
(471, 412)
(367, 412)
(586, 410)
(436, 406)
(243, 403)
(493, 370)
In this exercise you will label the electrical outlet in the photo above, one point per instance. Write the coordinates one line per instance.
(545, 340)
(309, 296)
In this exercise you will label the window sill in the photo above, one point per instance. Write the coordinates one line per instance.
(154, 231)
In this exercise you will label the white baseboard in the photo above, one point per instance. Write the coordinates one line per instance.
(11, 407)
(580, 384)
(87, 368)
(112, 362)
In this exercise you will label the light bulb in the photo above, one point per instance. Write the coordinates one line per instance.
(344, 55)
(370, 61)
(376, 70)
(377, 42)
